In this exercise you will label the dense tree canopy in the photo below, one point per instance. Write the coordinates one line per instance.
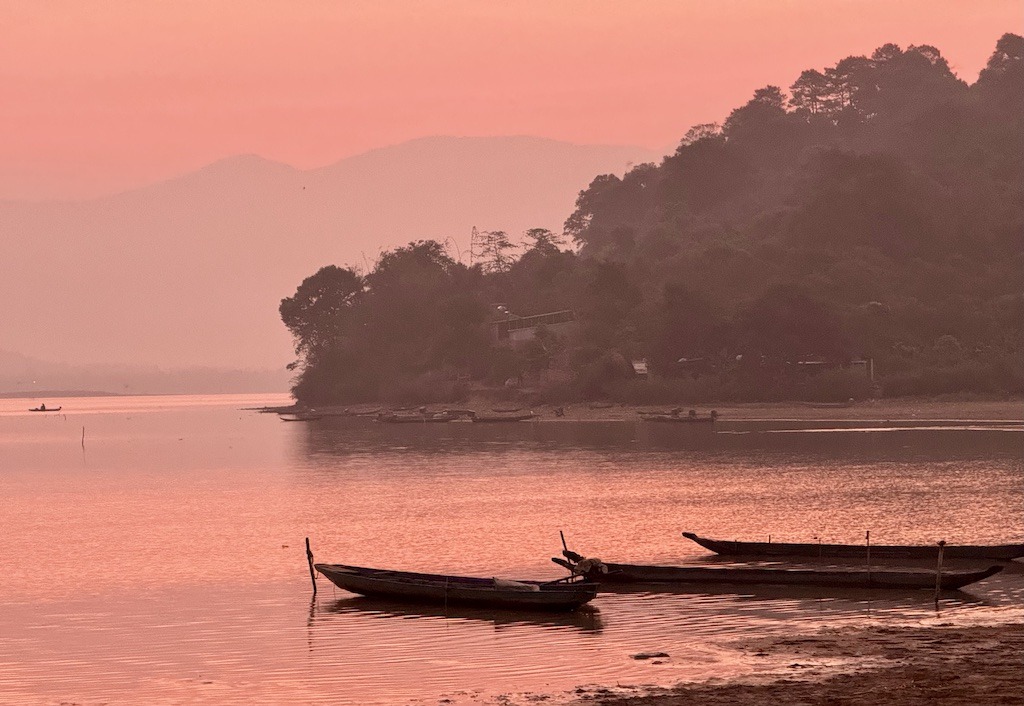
(874, 210)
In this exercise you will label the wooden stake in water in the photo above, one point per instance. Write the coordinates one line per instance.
(309, 559)
(867, 538)
(938, 572)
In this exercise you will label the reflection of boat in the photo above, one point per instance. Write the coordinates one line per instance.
(436, 588)
(586, 619)
(44, 408)
(760, 593)
(831, 577)
(1004, 552)
(491, 418)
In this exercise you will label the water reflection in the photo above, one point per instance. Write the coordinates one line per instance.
(843, 599)
(586, 620)
(352, 436)
(219, 500)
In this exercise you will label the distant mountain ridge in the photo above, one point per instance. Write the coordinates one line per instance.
(189, 272)
(24, 376)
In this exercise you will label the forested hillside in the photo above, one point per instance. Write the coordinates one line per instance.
(873, 211)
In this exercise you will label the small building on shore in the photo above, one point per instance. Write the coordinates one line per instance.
(515, 330)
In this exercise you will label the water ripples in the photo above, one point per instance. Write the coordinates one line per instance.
(165, 563)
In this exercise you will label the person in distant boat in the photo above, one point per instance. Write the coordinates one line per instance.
(42, 407)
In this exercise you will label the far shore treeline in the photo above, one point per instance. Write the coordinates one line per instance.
(870, 220)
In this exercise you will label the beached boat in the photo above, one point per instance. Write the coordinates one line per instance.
(429, 417)
(999, 552)
(678, 576)
(44, 408)
(675, 417)
(492, 418)
(301, 417)
(562, 594)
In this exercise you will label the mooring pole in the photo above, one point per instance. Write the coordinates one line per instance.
(867, 538)
(309, 558)
(938, 573)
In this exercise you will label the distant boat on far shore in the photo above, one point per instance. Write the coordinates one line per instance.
(44, 408)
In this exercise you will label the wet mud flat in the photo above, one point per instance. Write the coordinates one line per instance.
(980, 666)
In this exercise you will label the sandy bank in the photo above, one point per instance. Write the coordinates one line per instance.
(980, 666)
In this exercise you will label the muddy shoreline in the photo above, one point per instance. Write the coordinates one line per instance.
(981, 666)
(899, 409)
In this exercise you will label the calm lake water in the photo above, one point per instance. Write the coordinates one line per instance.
(153, 546)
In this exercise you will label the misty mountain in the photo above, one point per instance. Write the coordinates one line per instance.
(42, 380)
(190, 272)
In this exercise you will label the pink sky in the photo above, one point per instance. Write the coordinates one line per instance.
(109, 94)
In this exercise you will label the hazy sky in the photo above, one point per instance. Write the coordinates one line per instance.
(102, 95)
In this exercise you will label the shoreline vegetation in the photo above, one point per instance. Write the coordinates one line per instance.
(854, 236)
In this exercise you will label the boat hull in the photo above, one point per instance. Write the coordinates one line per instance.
(998, 552)
(669, 419)
(457, 590)
(478, 419)
(414, 418)
(832, 578)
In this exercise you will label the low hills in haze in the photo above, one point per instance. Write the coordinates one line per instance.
(190, 272)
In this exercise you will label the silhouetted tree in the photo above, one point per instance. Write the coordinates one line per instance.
(543, 240)
(320, 313)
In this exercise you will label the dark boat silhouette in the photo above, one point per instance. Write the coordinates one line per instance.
(563, 594)
(999, 552)
(697, 576)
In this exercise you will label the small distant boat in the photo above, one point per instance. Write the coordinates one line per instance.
(888, 578)
(423, 418)
(1000, 552)
(491, 418)
(44, 408)
(676, 417)
(301, 417)
(562, 594)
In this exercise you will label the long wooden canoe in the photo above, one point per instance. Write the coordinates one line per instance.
(430, 417)
(460, 590)
(301, 417)
(833, 578)
(1000, 552)
(675, 418)
(44, 409)
(491, 418)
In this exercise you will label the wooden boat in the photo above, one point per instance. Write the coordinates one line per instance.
(675, 417)
(562, 594)
(45, 409)
(430, 417)
(601, 572)
(1000, 552)
(491, 418)
(305, 417)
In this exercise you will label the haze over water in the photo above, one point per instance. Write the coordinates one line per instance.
(161, 561)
